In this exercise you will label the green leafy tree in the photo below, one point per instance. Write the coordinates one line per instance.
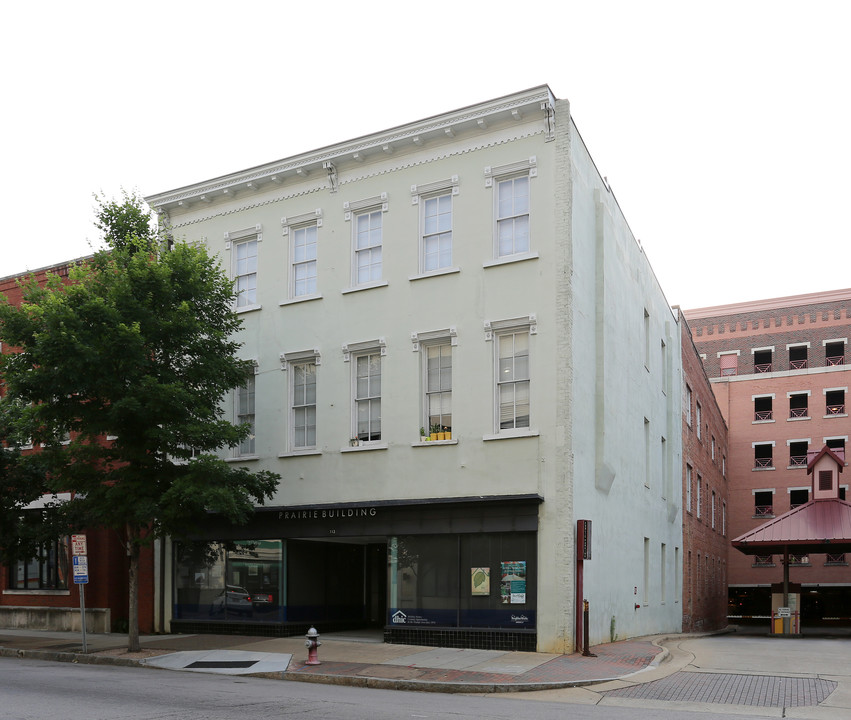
(137, 347)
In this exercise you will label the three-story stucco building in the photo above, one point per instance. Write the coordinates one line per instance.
(460, 350)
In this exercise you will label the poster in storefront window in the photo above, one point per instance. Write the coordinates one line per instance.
(513, 583)
(480, 581)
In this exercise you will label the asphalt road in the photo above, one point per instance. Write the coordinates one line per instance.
(36, 690)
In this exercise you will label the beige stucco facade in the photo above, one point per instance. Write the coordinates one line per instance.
(602, 439)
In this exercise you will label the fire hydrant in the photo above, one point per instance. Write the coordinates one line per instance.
(312, 644)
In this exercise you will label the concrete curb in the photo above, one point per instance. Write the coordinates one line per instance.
(437, 686)
(350, 680)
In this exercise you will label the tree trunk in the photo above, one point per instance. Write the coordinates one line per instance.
(133, 595)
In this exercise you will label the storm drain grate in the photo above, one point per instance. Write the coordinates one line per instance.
(726, 689)
(200, 664)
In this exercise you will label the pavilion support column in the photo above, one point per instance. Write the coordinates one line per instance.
(786, 620)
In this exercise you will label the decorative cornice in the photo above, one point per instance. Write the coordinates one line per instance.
(530, 104)
(453, 151)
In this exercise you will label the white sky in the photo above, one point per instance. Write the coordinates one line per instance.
(723, 127)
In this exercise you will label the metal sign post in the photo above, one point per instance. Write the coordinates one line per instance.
(81, 577)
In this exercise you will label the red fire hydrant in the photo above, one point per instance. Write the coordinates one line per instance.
(312, 644)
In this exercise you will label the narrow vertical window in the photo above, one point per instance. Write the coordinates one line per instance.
(688, 487)
(513, 380)
(245, 415)
(697, 500)
(438, 400)
(437, 232)
(245, 273)
(512, 218)
(646, 589)
(304, 261)
(304, 405)
(368, 397)
(368, 247)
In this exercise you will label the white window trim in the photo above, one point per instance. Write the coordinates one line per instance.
(729, 352)
(835, 340)
(235, 237)
(352, 351)
(493, 329)
(493, 175)
(770, 348)
(292, 223)
(423, 192)
(288, 360)
(352, 209)
(800, 344)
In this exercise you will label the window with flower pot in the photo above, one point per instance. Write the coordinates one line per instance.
(435, 349)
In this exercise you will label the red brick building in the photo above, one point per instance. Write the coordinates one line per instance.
(705, 532)
(40, 593)
(778, 369)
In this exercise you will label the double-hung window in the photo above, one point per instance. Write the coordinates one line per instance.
(368, 247)
(244, 246)
(437, 232)
(303, 233)
(512, 372)
(512, 218)
(436, 350)
(513, 380)
(302, 393)
(512, 208)
(367, 217)
(244, 415)
(366, 360)
(435, 202)
(304, 261)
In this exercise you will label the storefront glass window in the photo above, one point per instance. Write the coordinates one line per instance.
(242, 583)
(481, 580)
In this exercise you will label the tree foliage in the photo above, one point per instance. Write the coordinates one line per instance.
(139, 348)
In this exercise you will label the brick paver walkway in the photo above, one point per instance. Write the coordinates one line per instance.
(727, 689)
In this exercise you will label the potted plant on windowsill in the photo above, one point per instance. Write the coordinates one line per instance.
(354, 442)
(423, 436)
(447, 433)
(435, 429)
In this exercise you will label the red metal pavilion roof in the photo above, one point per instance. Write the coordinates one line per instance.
(816, 526)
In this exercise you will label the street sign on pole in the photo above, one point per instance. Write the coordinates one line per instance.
(81, 569)
(78, 545)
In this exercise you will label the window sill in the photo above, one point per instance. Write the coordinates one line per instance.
(427, 443)
(435, 273)
(55, 593)
(242, 458)
(762, 469)
(247, 308)
(300, 453)
(797, 419)
(300, 299)
(796, 467)
(840, 415)
(511, 434)
(510, 259)
(365, 286)
(362, 448)
(761, 422)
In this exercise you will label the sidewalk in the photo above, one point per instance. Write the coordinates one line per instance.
(348, 659)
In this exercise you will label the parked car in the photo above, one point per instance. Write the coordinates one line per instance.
(232, 600)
